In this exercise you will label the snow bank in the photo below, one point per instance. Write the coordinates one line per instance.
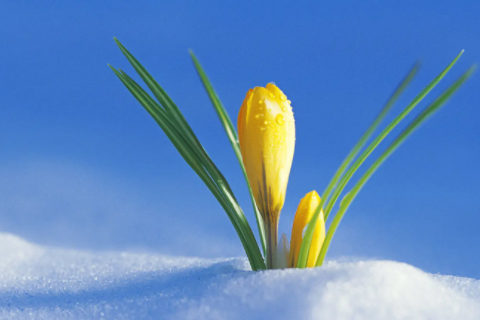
(45, 283)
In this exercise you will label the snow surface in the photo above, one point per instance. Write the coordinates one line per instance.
(46, 283)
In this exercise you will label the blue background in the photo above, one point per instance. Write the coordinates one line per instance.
(83, 166)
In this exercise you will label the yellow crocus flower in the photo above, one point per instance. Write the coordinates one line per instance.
(266, 131)
(304, 214)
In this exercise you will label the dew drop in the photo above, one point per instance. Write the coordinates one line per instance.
(262, 128)
(257, 116)
(280, 119)
(284, 109)
(260, 101)
(289, 102)
(283, 97)
(267, 122)
(272, 95)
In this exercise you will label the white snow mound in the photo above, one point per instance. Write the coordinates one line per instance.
(45, 283)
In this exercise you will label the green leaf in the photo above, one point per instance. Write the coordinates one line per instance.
(176, 116)
(181, 135)
(371, 129)
(384, 134)
(191, 158)
(158, 92)
(428, 112)
(232, 136)
(303, 256)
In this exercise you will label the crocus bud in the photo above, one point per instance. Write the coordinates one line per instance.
(266, 130)
(304, 214)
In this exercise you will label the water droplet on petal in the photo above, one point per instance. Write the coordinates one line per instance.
(284, 109)
(280, 119)
(283, 97)
(257, 116)
(267, 122)
(272, 95)
(262, 128)
(289, 102)
(260, 101)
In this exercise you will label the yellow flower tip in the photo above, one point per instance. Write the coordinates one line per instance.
(304, 214)
(266, 131)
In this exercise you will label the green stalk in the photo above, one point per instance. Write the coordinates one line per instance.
(233, 137)
(429, 111)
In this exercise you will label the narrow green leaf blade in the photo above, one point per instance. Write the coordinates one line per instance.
(177, 117)
(349, 173)
(385, 133)
(368, 133)
(232, 136)
(191, 157)
(428, 112)
(218, 106)
(162, 97)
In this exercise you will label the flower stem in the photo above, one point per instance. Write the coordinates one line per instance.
(271, 224)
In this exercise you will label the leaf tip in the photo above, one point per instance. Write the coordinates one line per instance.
(192, 55)
(471, 70)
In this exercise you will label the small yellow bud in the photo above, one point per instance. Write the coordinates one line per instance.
(304, 214)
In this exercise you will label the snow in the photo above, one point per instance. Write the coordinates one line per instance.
(38, 282)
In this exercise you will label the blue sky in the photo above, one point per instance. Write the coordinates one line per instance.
(82, 165)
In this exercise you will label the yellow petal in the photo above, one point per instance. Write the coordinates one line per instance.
(266, 131)
(304, 214)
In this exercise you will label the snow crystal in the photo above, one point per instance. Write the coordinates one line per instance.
(45, 283)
